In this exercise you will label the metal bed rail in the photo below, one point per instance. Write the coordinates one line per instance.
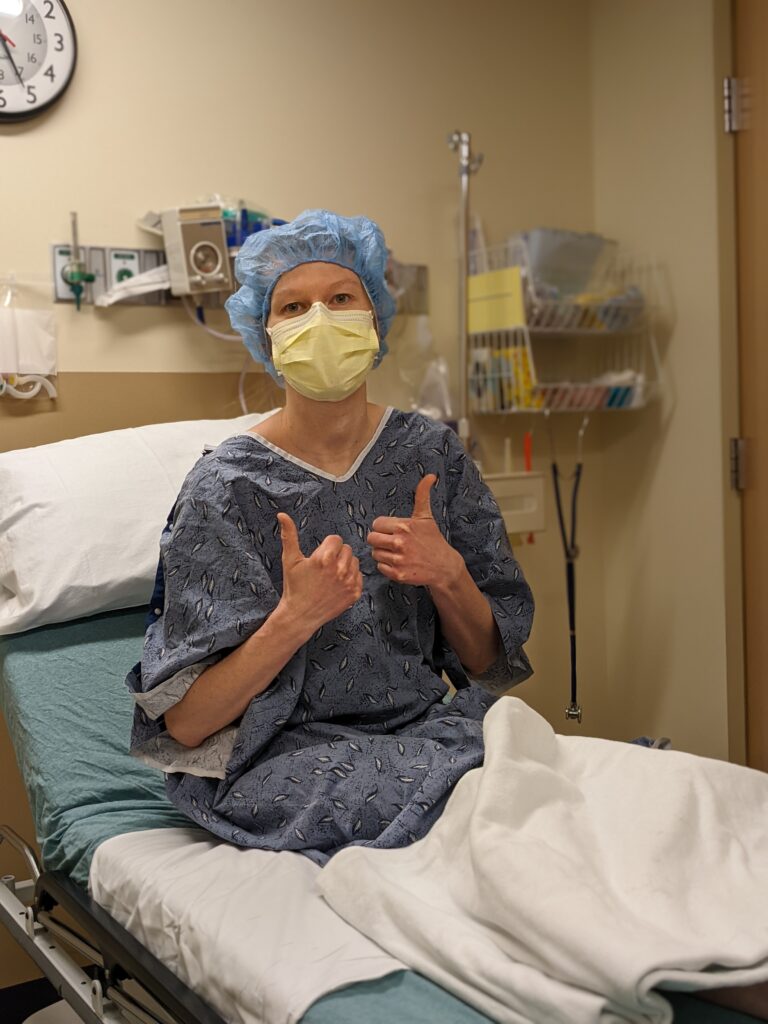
(126, 983)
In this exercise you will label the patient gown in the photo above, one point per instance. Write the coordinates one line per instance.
(352, 742)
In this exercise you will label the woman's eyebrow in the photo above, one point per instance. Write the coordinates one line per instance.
(344, 282)
(287, 294)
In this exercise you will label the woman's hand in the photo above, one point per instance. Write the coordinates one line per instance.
(318, 588)
(414, 550)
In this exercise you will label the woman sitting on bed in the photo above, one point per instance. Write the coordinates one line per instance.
(319, 573)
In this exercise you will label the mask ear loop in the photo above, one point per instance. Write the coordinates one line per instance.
(378, 358)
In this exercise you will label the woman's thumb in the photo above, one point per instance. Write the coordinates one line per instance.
(422, 505)
(289, 536)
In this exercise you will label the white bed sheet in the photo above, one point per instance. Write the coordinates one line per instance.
(570, 877)
(245, 929)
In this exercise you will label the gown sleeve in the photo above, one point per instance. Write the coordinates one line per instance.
(476, 529)
(217, 592)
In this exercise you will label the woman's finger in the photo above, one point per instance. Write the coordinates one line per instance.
(387, 556)
(328, 551)
(344, 562)
(387, 524)
(352, 578)
(384, 541)
(390, 571)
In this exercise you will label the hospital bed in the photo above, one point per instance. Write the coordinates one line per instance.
(68, 713)
(69, 716)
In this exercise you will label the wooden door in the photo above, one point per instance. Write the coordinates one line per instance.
(751, 68)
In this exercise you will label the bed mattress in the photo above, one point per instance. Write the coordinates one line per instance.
(67, 682)
(248, 931)
(88, 794)
(69, 716)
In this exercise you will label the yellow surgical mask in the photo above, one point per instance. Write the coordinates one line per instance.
(324, 354)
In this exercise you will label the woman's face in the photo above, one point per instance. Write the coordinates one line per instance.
(298, 289)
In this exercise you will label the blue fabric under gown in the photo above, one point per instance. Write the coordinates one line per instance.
(352, 742)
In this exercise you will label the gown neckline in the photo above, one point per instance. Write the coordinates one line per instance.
(315, 469)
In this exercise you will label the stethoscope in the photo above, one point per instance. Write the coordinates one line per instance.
(570, 549)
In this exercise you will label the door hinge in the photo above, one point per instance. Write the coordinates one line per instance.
(733, 104)
(738, 463)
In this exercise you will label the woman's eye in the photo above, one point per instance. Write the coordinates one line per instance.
(342, 299)
(291, 308)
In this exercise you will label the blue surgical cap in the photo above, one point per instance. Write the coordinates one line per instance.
(315, 236)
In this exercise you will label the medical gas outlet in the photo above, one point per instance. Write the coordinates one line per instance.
(196, 250)
(100, 268)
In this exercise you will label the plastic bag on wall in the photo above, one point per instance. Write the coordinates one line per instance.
(422, 373)
(27, 341)
(434, 394)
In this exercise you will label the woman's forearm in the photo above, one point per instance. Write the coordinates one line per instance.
(222, 692)
(466, 620)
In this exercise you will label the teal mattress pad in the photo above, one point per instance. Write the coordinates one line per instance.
(69, 716)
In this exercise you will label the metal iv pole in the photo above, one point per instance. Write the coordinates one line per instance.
(468, 164)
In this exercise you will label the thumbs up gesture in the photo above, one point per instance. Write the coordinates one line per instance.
(318, 588)
(414, 550)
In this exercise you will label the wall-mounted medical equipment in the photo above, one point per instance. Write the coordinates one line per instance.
(71, 269)
(106, 268)
(240, 219)
(196, 250)
(200, 243)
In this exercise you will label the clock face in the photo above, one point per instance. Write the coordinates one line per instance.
(38, 51)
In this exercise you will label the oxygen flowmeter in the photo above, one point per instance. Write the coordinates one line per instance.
(74, 273)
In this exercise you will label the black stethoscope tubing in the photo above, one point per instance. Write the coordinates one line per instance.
(571, 552)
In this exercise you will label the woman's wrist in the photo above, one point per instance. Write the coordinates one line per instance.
(292, 622)
(453, 573)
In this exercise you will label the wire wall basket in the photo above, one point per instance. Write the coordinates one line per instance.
(575, 336)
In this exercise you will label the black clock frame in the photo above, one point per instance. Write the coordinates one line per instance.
(26, 115)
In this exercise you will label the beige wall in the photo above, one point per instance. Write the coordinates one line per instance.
(248, 108)
(661, 166)
(591, 114)
(292, 104)
(295, 104)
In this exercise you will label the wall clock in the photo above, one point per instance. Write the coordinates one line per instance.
(38, 52)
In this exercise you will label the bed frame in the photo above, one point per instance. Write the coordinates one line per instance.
(124, 982)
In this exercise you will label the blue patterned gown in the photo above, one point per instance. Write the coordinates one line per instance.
(351, 743)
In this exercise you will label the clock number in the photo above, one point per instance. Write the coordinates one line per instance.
(37, 38)
(29, 18)
(3, 100)
(49, 72)
(2, 75)
(31, 95)
(32, 58)
(59, 42)
(48, 9)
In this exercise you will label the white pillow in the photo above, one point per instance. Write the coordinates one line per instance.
(80, 520)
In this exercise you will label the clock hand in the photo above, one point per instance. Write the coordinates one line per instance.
(5, 40)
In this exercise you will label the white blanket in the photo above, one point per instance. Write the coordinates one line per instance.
(569, 877)
(245, 929)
